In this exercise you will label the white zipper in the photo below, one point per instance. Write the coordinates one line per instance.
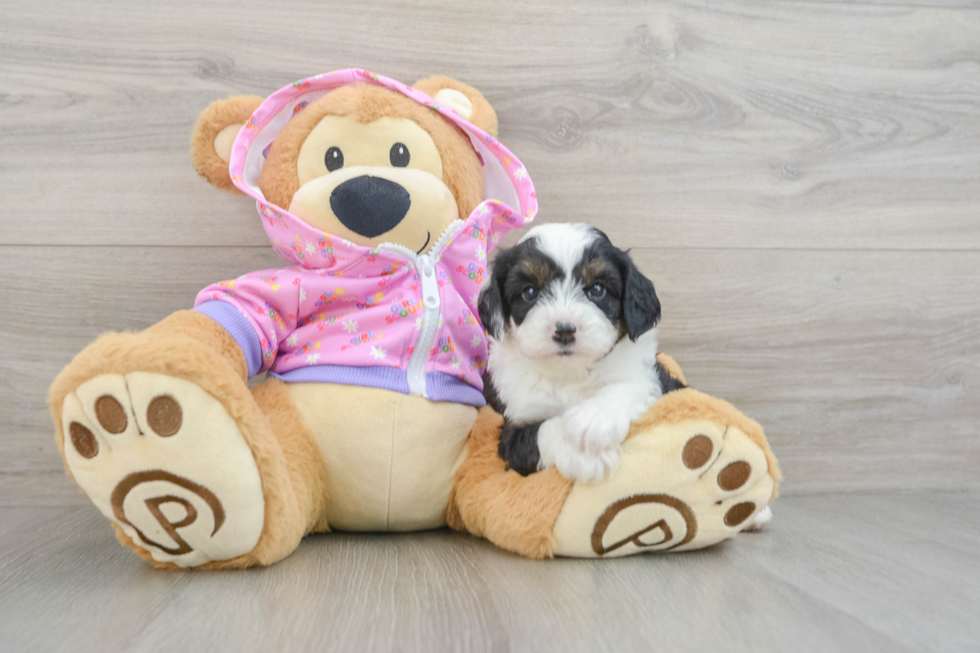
(430, 324)
(425, 265)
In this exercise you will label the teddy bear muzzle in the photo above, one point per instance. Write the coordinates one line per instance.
(370, 206)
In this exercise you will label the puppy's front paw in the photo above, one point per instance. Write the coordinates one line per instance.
(594, 428)
(557, 451)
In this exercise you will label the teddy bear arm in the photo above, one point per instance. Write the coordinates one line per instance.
(206, 331)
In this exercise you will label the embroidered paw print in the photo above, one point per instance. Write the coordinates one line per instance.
(165, 461)
(679, 486)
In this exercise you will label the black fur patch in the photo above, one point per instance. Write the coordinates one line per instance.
(667, 382)
(600, 265)
(491, 395)
(519, 447)
(630, 300)
(514, 270)
(490, 308)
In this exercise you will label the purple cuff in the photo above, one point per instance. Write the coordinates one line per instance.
(236, 324)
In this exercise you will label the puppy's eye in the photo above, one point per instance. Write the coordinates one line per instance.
(399, 155)
(334, 159)
(596, 291)
(529, 294)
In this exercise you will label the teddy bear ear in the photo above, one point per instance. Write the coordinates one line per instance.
(466, 100)
(214, 133)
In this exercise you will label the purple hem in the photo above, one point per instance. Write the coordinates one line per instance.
(238, 326)
(387, 378)
(444, 387)
(439, 386)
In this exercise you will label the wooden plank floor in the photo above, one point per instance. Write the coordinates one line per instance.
(833, 573)
(801, 179)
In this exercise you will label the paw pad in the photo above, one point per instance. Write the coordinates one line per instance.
(734, 475)
(110, 414)
(697, 451)
(82, 439)
(739, 513)
(164, 416)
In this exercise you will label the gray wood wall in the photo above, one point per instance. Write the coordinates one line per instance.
(800, 179)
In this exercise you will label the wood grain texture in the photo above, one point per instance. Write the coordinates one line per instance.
(801, 179)
(860, 367)
(738, 124)
(833, 573)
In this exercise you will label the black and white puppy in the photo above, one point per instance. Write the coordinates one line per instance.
(573, 350)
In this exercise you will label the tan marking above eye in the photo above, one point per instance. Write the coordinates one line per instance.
(366, 145)
(540, 271)
(593, 271)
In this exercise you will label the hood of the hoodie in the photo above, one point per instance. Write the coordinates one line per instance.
(506, 181)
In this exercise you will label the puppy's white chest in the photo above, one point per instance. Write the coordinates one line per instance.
(531, 397)
(572, 394)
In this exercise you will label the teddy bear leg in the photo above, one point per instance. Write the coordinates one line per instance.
(167, 441)
(693, 472)
(515, 512)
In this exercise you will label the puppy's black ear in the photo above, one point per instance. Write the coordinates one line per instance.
(491, 307)
(641, 307)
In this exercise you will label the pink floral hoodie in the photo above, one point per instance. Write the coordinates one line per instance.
(343, 313)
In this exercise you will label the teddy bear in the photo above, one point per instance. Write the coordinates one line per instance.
(384, 200)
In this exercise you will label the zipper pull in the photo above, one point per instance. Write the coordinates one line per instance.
(429, 285)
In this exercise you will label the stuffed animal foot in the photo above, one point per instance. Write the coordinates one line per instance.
(693, 471)
(165, 461)
(192, 468)
(681, 485)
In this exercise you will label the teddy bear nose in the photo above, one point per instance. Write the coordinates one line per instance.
(370, 206)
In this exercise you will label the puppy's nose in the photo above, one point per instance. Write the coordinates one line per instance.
(564, 333)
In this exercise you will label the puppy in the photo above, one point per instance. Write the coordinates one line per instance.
(573, 350)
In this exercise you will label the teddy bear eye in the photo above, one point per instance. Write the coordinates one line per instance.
(334, 159)
(399, 155)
